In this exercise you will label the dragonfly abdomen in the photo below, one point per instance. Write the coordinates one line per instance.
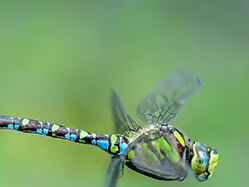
(113, 144)
(34, 126)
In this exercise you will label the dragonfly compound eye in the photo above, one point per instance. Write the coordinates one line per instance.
(200, 158)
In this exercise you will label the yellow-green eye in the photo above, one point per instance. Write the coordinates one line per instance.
(200, 158)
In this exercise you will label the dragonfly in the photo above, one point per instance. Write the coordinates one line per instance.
(155, 149)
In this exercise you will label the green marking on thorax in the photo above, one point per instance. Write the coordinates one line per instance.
(131, 154)
(162, 145)
(156, 145)
(148, 154)
(179, 138)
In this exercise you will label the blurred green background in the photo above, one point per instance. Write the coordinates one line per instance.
(59, 59)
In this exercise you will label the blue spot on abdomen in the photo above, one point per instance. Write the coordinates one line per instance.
(73, 137)
(16, 126)
(122, 148)
(10, 126)
(45, 131)
(103, 144)
(67, 136)
(39, 131)
(94, 142)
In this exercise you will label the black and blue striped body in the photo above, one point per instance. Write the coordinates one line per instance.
(113, 144)
(156, 149)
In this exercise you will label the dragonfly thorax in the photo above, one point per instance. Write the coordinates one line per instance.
(159, 152)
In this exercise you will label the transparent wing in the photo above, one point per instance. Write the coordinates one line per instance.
(122, 119)
(164, 102)
(114, 171)
(158, 158)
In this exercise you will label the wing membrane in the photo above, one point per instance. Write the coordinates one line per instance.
(164, 102)
(122, 119)
(114, 171)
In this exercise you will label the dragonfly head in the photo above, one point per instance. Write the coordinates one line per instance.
(204, 161)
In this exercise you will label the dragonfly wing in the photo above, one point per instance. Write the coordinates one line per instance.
(114, 171)
(122, 119)
(164, 102)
